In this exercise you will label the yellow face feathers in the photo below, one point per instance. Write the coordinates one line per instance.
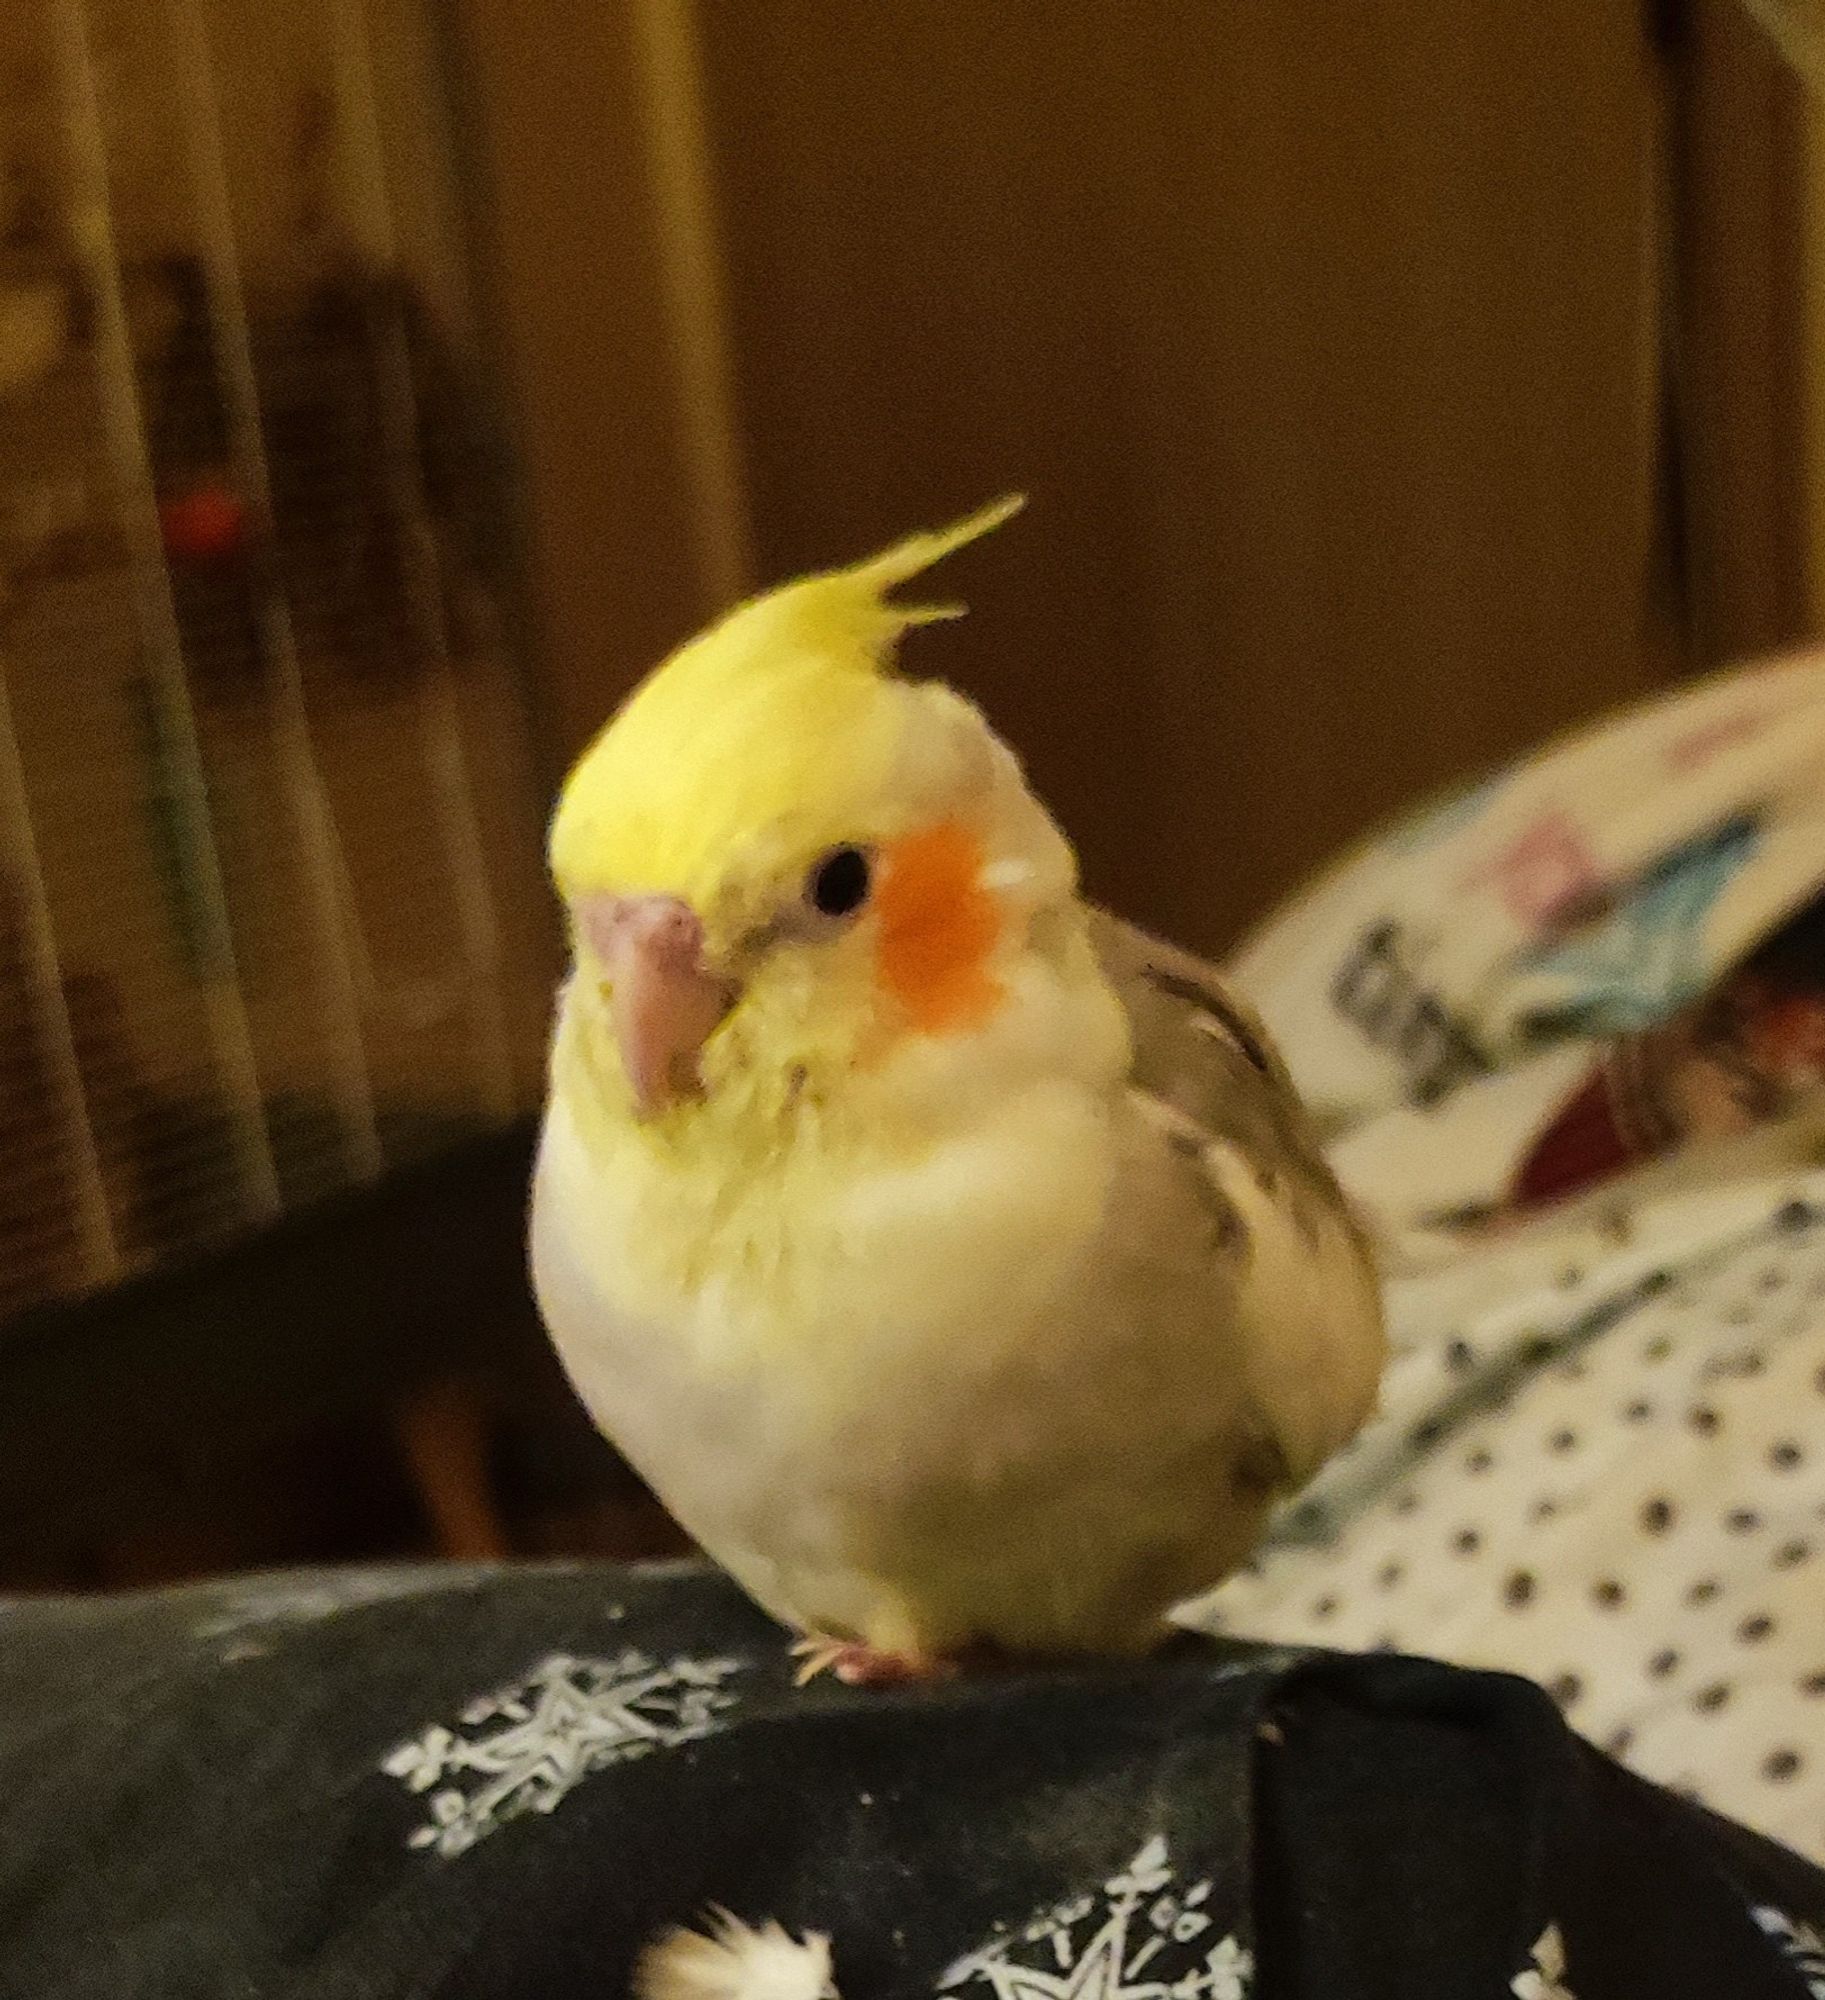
(755, 744)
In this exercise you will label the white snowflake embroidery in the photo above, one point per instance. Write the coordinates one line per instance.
(1803, 1944)
(1545, 1978)
(528, 1747)
(1139, 1937)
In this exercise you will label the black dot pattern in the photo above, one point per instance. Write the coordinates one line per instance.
(1628, 1508)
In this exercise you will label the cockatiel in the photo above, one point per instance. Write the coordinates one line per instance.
(953, 1261)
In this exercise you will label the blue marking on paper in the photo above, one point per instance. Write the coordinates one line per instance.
(1645, 959)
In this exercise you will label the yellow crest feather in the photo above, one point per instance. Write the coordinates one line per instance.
(844, 616)
(769, 726)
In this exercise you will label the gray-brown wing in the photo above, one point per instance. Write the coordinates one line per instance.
(1206, 1072)
(1204, 1052)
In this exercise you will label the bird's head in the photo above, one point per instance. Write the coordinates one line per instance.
(785, 864)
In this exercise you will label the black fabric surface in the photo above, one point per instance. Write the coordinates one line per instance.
(502, 1782)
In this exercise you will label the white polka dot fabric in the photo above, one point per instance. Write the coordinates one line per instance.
(1565, 1036)
(1612, 1482)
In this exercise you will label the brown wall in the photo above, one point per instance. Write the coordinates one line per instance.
(1322, 338)
(1739, 165)
(574, 233)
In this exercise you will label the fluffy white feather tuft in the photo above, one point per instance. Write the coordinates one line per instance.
(730, 1960)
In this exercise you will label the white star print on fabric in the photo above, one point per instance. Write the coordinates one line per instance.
(1136, 1938)
(1545, 1978)
(528, 1747)
(1803, 1946)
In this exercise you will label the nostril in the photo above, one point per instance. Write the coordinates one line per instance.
(660, 928)
(668, 931)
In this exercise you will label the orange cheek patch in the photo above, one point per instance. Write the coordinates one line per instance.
(937, 929)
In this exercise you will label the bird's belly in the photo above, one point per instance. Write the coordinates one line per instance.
(960, 1431)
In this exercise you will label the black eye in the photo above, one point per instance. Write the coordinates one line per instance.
(839, 884)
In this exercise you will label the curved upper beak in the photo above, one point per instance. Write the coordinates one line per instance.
(664, 1001)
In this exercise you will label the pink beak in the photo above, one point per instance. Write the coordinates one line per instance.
(663, 1000)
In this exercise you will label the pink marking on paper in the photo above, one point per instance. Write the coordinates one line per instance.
(1543, 872)
(1698, 746)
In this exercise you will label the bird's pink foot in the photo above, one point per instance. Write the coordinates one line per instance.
(856, 1665)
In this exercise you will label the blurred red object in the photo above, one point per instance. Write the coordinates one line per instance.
(206, 523)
